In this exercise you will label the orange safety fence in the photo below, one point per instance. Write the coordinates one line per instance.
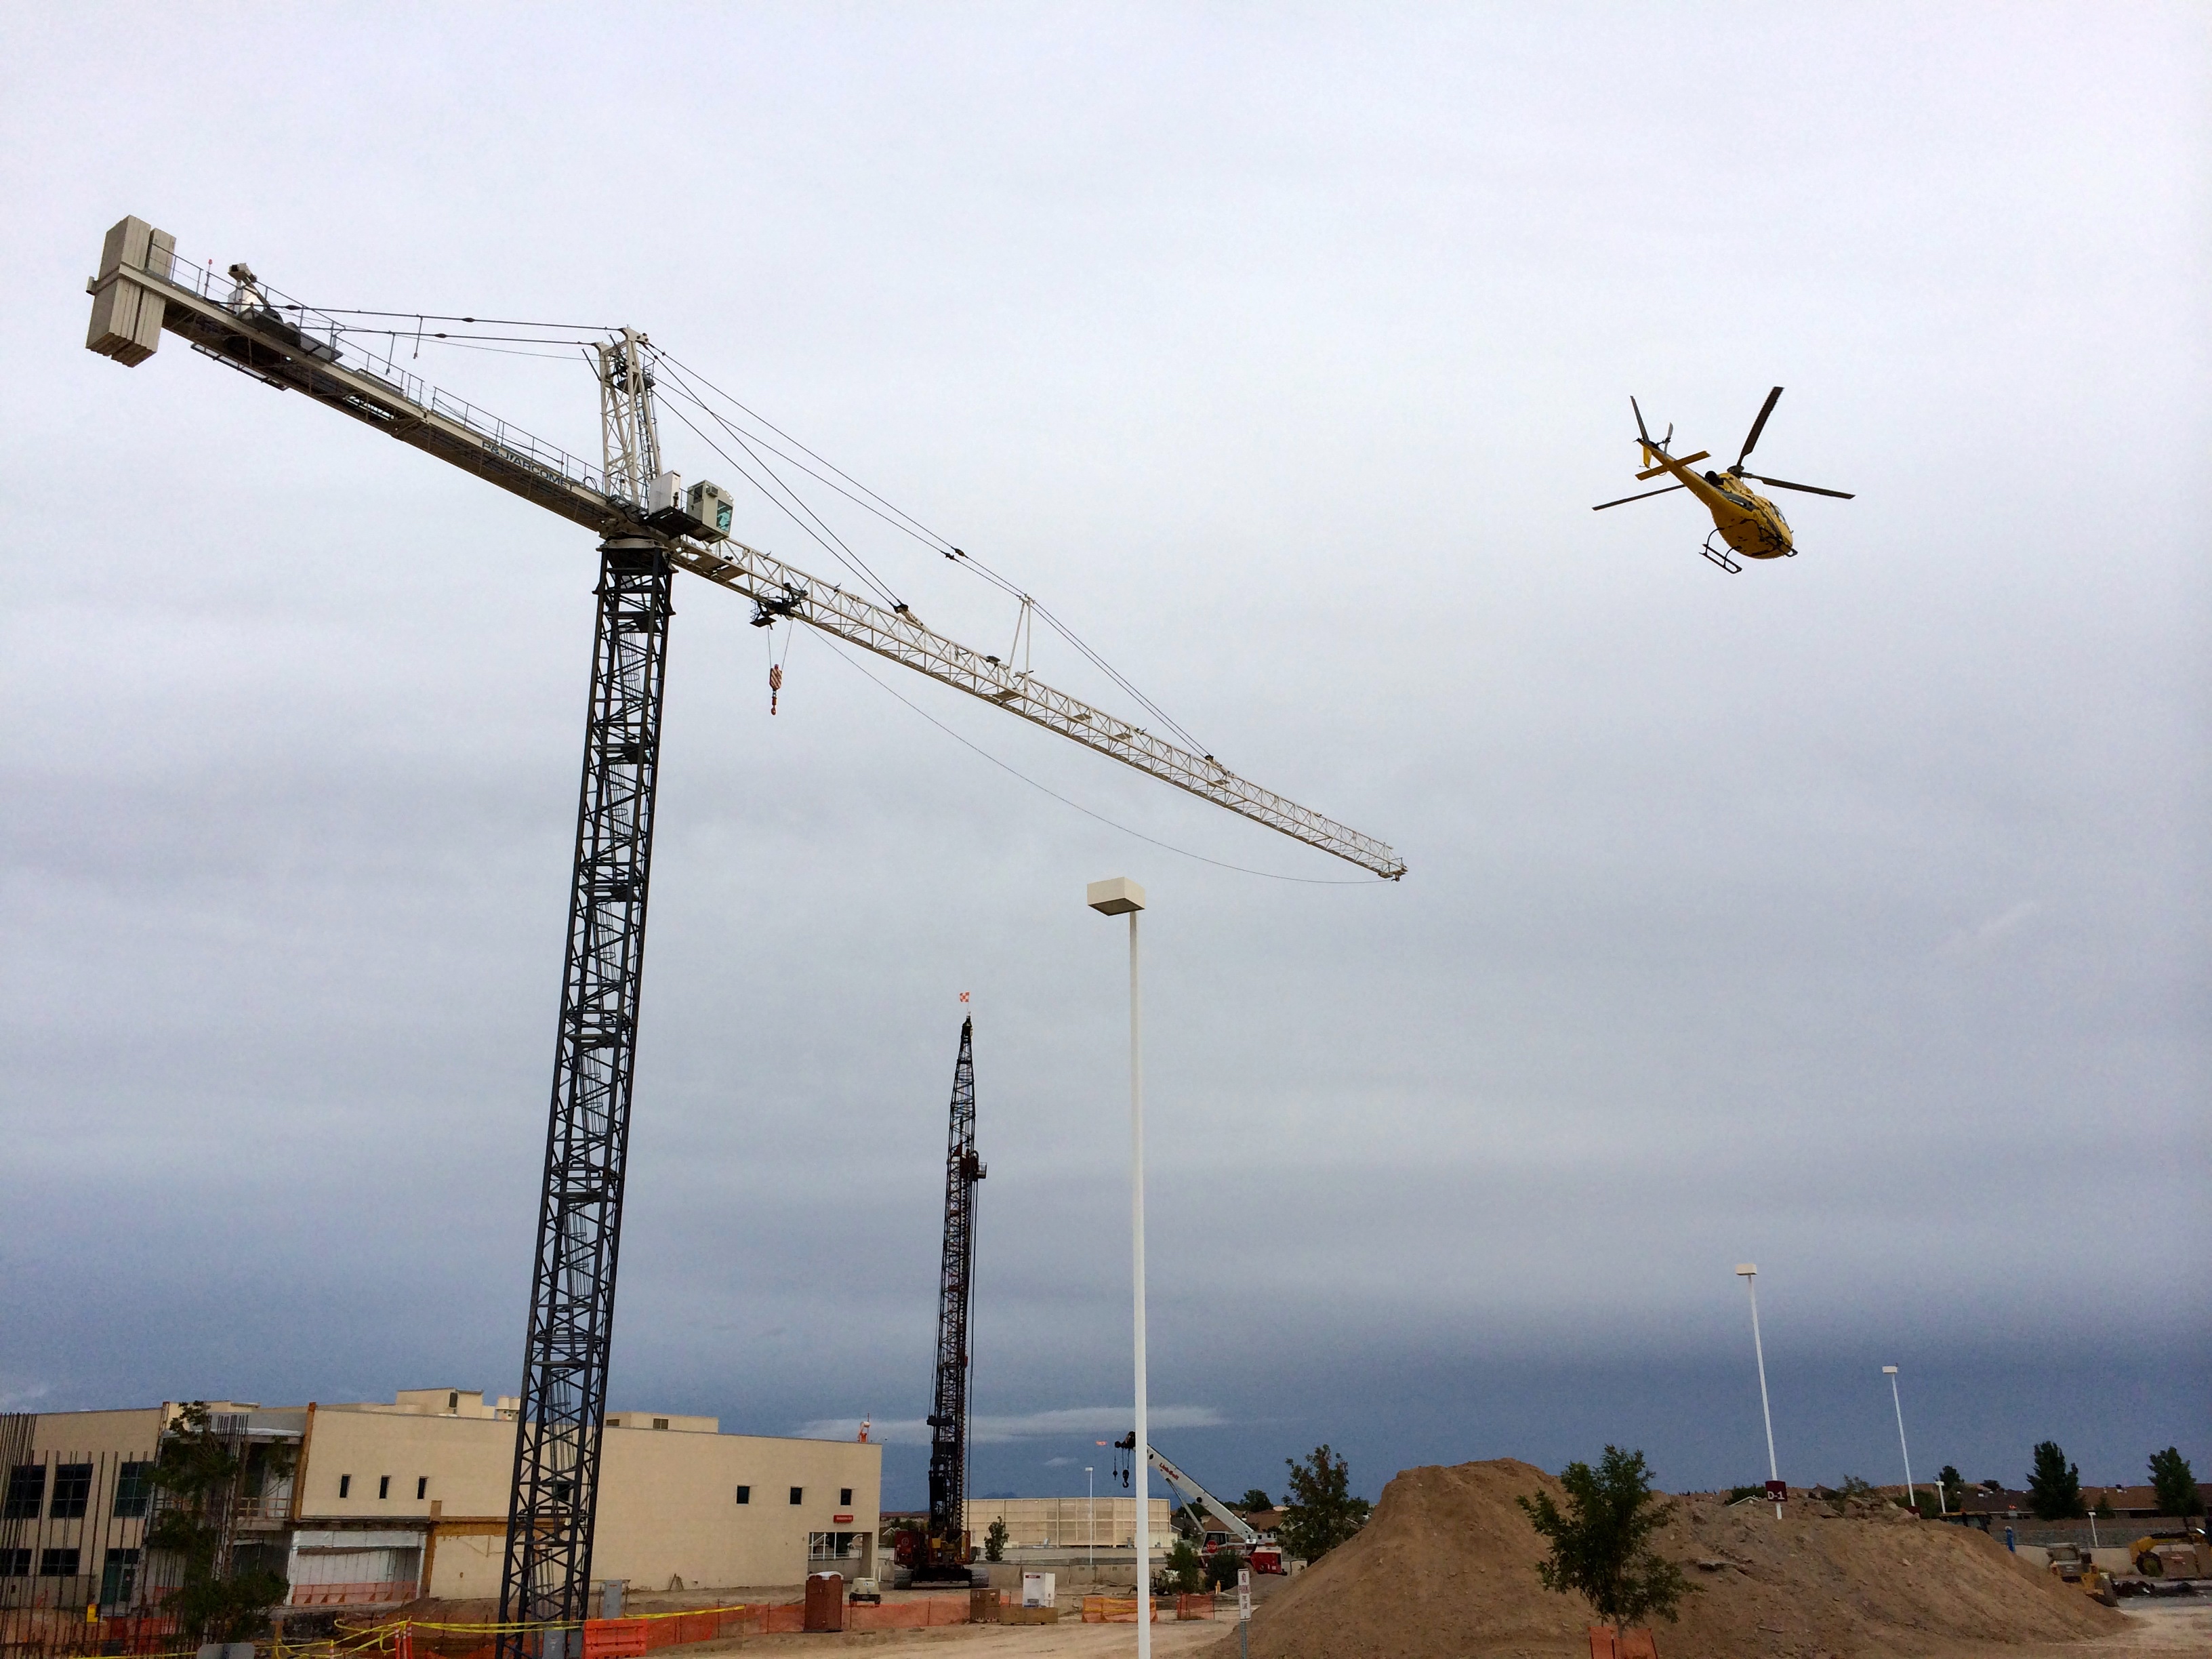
(1123, 1610)
(1631, 1645)
(631, 1638)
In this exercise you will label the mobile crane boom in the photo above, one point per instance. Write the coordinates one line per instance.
(646, 535)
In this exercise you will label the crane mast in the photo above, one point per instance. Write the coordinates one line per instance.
(141, 290)
(941, 1552)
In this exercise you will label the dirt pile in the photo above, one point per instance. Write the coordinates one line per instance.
(1448, 1567)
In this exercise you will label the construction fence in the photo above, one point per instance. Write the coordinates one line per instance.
(1123, 1610)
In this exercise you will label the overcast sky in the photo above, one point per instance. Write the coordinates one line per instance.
(1847, 915)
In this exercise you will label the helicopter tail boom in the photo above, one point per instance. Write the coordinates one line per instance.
(1668, 464)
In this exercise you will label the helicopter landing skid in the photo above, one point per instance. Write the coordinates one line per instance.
(1719, 556)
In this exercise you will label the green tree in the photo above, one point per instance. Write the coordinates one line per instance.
(2175, 1484)
(1954, 1489)
(1601, 1546)
(1222, 1568)
(199, 1477)
(2054, 1486)
(1185, 1569)
(994, 1539)
(1321, 1512)
(1254, 1499)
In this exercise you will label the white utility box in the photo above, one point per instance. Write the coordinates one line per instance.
(1038, 1589)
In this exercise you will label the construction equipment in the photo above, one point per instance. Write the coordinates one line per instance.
(2171, 1555)
(649, 528)
(940, 1551)
(2072, 1564)
(1195, 1503)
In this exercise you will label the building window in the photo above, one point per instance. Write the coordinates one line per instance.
(745, 1494)
(384, 1486)
(659, 1422)
(798, 1494)
(72, 1492)
(453, 1401)
(833, 1545)
(614, 1422)
(27, 1492)
(345, 1485)
(134, 1489)
(422, 1487)
(119, 1578)
(57, 1563)
(14, 1564)
(844, 1498)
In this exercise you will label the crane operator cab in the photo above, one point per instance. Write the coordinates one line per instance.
(703, 511)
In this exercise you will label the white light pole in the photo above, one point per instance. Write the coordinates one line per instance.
(1912, 1497)
(1090, 1519)
(1747, 1271)
(1123, 897)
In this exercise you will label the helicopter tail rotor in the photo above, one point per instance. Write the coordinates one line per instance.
(1651, 450)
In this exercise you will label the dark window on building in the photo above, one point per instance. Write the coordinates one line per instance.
(119, 1578)
(745, 1494)
(798, 1494)
(659, 1422)
(384, 1486)
(422, 1486)
(454, 1399)
(844, 1498)
(57, 1563)
(14, 1564)
(134, 1489)
(27, 1492)
(345, 1485)
(72, 1492)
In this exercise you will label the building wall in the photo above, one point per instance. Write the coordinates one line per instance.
(667, 1497)
(425, 1494)
(1077, 1522)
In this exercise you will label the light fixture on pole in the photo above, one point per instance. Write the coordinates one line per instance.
(1747, 1271)
(1123, 897)
(1911, 1497)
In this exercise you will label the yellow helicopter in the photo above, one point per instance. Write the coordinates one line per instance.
(1745, 521)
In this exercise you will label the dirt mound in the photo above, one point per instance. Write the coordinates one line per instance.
(1448, 1567)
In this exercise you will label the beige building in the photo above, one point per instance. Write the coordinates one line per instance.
(387, 1501)
(1068, 1522)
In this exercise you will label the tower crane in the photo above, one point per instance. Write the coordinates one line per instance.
(648, 529)
(938, 1553)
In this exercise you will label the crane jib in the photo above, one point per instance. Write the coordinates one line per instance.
(182, 300)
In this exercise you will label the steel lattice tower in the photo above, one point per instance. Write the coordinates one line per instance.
(546, 1577)
(948, 1417)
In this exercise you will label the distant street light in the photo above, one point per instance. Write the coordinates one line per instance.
(1747, 1271)
(1911, 1497)
(1123, 897)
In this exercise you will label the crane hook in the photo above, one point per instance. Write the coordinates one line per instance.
(775, 683)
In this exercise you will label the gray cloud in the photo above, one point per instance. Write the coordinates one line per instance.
(1848, 914)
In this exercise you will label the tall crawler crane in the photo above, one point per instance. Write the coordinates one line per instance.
(939, 1552)
(648, 529)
